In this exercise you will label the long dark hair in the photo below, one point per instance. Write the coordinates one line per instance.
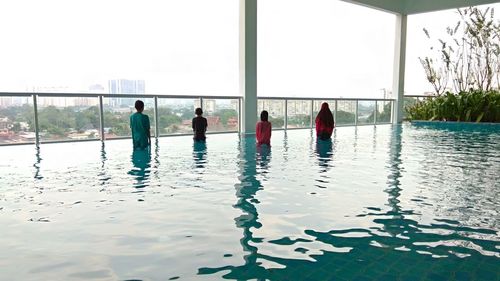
(264, 116)
(325, 116)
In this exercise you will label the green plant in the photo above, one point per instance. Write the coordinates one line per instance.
(471, 106)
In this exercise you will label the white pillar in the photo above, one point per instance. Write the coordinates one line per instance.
(248, 64)
(398, 86)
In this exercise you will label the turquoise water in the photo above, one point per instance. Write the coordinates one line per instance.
(412, 202)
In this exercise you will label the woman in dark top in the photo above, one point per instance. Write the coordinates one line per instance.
(324, 123)
(199, 125)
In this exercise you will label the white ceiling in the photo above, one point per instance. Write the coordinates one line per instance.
(409, 7)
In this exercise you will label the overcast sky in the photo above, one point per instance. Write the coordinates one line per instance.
(305, 47)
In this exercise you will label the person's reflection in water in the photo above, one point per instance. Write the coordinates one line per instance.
(141, 159)
(263, 158)
(324, 152)
(200, 154)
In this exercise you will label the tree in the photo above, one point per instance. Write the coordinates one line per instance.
(470, 54)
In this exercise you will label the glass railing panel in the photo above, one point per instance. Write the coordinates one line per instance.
(68, 118)
(17, 123)
(117, 113)
(408, 102)
(299, 113)
(222, 114)
(384, 111)
(317, 107)
(346, 112)
(175, 115)
(276, 109)
(366, 112)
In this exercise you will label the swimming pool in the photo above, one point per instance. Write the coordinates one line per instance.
(411, 202)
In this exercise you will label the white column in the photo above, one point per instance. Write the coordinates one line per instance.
(248, 64)
(398, 86)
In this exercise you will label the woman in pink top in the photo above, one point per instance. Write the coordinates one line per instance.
(263, 129)
(324, 123)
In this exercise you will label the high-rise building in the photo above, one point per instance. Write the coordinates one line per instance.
(126, 86)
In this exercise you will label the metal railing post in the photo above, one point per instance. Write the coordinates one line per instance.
(239, 115)
(37, 129)
(392, 111)
(375, 113)
(356, 114)
(157, 129)
(101, 118)
(286, 114)
(312, 110)
(335, 112)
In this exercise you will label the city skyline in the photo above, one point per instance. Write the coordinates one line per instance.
(336, 49)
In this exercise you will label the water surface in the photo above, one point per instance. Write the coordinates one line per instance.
(412, 202)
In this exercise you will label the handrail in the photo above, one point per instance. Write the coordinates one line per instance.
(322, 99)
(418, 96)
(107, 95)
(101, 96)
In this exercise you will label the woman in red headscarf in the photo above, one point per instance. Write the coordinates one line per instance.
(324, 122)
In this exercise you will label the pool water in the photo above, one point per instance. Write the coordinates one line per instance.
(411, 202)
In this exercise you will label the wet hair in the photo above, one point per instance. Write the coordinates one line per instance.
(139, 105)
(264, 116)
(198, 111)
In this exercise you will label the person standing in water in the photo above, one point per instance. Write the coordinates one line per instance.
(263, 129)
(140, 127)
(199, 125)
(324, 123)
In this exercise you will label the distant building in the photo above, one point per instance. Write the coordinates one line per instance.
(386, 93)
(5, 101)
(127, 87)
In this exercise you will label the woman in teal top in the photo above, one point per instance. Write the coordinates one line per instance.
(139, 124)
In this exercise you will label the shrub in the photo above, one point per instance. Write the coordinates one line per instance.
(471, 106)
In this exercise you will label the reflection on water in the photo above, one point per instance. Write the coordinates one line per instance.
(200, 154)
(396, 203)
(141, 161)
(38, 160)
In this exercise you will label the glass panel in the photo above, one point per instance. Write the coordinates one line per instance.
(68, 118)
(408, 102)
(117, 113)
(384, 111)
(366, 112)
(276, 109)
(317, 106)
(175, 115)
(346, 112)
(17, 123)
(299, 113)
(221, 114)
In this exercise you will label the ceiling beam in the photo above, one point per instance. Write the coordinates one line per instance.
(391, 6)
(424, 6)
(408, 7)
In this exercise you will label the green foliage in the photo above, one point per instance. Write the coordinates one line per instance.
(226, 114)
(344, 117)
(277, 122)
(471, 106)
(300, 120)
(18, 114)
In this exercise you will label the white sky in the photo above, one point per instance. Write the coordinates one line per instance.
(305, 47)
